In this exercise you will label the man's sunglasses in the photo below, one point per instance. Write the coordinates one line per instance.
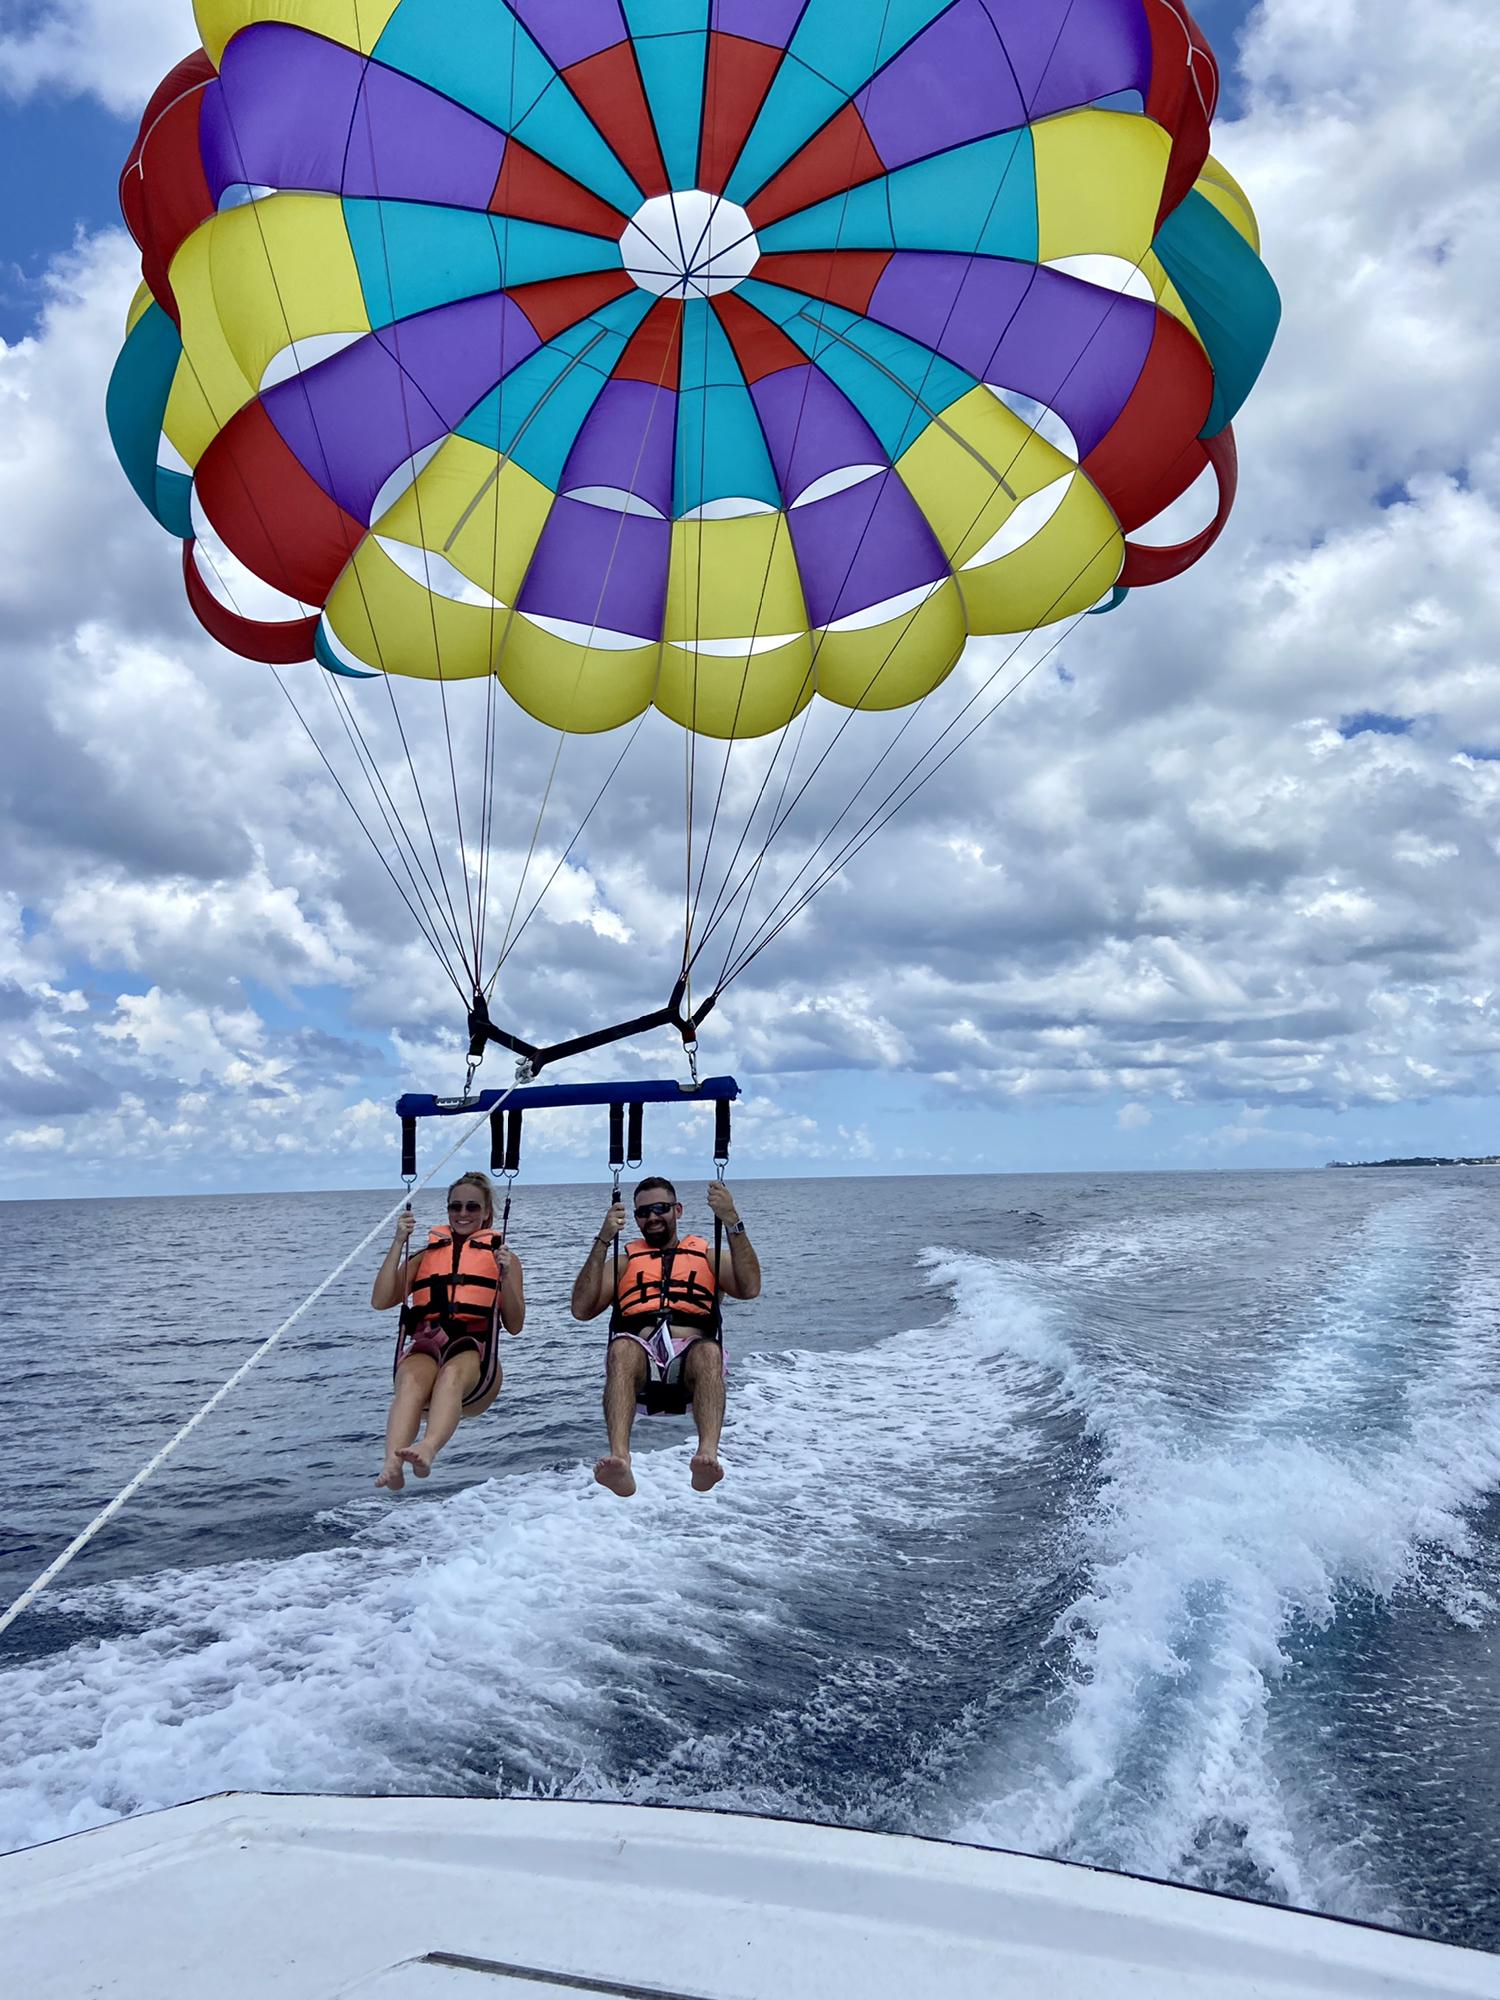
(465, 1207)
(654, 1208)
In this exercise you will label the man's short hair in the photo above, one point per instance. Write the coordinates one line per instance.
(651, 1181)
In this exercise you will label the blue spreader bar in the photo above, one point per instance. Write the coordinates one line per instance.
(538, 1096)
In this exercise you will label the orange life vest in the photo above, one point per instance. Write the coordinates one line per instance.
(456, 1282)
(657, 1285)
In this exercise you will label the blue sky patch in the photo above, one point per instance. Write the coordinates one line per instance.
(1370, 722)
(60, 161)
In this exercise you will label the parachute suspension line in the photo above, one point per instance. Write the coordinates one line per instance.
(487, 788)
(690, 902)
(640, 723)
(351, 565)
(442, 874)
(914, 713)
(411, 859)
(536, 833)
(879, 818)
(433, 917)
(132, 1486)
(428, 593)
(491, 701)
(225, 586)
(481, 987)
(416, 913)
(779, 818)
(790, 889)
(744, 889)
(512, 935)
(801, 709)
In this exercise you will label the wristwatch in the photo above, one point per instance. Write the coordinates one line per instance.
(734, 1229)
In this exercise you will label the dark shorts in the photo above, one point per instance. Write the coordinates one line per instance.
(441, 1347)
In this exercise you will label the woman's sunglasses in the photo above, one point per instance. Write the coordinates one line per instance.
(465, 1207)
(654, 1208)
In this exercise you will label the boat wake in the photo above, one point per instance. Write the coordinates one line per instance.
(1039, 1576)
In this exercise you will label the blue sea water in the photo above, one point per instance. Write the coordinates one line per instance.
(1145, 1520)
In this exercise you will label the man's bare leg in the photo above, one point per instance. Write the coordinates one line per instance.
(624, 1371)
(704, 1368)
(414, 1380)
(456, 1379)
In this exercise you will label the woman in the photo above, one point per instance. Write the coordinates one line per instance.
(454, 1296)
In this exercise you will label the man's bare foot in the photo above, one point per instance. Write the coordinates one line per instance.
(418, 1457)
(707, 1472)
(391, 1475)
(615, 1473)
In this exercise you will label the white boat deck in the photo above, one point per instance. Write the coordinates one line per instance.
(469, 1899)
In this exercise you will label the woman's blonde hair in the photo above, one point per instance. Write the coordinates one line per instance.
(485, 1186)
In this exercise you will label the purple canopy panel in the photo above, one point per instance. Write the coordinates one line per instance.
(811, 428)
(292, 110)
(280, 112)
(958, 306)
(411, 144)
(1070, 345)
(1102, 46)
(353, 419)
(770, 21)
(861, 546)
(627, 442)
(597, 567)
(949, 86)
(1078, 349)
(568, 33)
(456, 353)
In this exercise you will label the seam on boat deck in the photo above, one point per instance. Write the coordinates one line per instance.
(575, 1981)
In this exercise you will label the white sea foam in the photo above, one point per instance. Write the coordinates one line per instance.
(1347, 1477)
(534, 1612)
(516, 1633)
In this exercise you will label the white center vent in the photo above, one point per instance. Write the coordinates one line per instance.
(689, 245)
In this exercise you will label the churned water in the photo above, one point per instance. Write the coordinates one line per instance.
(1145, 1520)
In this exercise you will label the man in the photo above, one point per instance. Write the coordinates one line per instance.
(665, 1349)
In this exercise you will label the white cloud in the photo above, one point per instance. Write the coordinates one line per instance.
(36, 1138)
(1171, 877)
(116, 50)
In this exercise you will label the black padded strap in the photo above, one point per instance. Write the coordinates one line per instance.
(482, 1030)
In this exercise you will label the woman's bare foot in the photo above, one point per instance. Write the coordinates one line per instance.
(391, 1475)
(707, 1472)
(615, 1473)
(418, 1457)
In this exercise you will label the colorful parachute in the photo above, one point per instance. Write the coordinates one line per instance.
(703, 353)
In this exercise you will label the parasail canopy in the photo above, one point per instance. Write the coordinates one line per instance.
(709, 355)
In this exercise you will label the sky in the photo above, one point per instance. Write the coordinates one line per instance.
(1213, 889)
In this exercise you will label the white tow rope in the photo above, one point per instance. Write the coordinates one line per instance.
(106, 1514)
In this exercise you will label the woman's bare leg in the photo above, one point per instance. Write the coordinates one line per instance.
(414, 1380)
(456, 1379)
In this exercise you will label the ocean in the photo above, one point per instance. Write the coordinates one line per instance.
(1147, 1520)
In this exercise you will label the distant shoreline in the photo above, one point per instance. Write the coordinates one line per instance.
(1484, 1160)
